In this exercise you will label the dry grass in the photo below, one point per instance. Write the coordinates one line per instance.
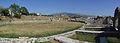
(39, 29)
(34, 18)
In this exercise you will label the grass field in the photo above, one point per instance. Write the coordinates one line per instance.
(113, 40)
(38, 29)
(84, 37)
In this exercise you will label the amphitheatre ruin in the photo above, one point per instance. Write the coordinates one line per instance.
(18, 25)
(56, 29)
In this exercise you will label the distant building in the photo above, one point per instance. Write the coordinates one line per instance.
(38, 14)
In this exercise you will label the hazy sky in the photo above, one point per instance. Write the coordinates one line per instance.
(88, 7)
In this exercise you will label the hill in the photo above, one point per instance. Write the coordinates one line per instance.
(70, 14)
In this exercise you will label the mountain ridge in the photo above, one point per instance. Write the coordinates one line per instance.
(71, 14)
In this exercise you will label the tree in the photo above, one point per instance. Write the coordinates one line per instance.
(15, 11)
(24, 11)
(1, 9)
(14, 7)
(5, 12)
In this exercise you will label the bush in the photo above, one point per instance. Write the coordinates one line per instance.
(17, 16)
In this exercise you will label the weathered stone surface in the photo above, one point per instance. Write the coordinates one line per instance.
(116, 20)
(66, 40)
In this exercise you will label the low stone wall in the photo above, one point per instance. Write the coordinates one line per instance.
(66, 40)
(17, 40)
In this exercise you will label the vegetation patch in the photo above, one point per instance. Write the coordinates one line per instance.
(113, 40)
(40, 29)
(84, 37)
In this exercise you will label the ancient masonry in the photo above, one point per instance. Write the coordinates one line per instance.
(116, 20)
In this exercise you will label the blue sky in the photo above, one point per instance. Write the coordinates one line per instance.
(88, 7)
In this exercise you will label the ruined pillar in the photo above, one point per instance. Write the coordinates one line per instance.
(118, 26)
(115, 17)
(116, 20)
